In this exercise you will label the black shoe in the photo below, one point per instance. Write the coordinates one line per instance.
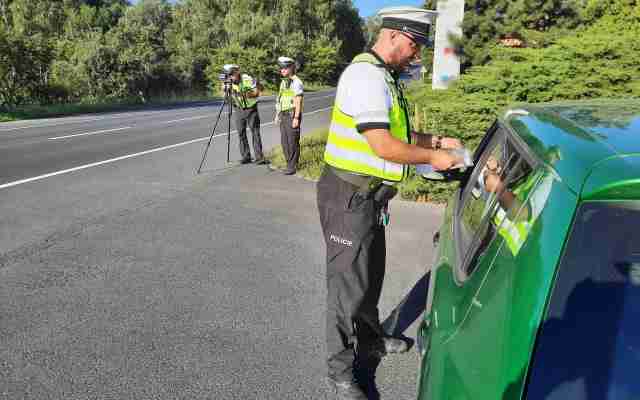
(387, 345)
(347, 389)
(261, 161)
(245, 160)
(289, 171)
(394, 345)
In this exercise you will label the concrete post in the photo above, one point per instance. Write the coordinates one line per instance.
(446, 65)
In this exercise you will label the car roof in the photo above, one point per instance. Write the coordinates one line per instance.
(593, 146)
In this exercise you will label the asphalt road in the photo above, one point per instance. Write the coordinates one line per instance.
(123, 275)
(33, 148)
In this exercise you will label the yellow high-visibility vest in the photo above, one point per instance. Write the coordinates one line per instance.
(239, 89)
(348, 150)
(285, 95)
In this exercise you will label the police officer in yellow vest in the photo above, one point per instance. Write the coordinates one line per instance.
(369, 148)
(244, 94)
(289, 112)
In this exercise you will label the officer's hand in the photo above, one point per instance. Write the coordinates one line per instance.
(276, 119)
(444, 160)
(451, 143)
(295, 122)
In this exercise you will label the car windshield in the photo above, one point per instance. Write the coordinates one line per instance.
(589, 343)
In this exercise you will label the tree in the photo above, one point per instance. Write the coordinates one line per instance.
(349, 30)
(139, 43)
(486, 22)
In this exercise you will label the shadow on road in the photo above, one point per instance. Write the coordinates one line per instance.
(398, 321)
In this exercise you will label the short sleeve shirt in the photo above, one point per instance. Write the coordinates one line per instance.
(247, 79)
(363, 94)
(296, 86)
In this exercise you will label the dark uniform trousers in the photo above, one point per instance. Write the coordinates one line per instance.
(355, 242)
(290, 140)
(243, 118)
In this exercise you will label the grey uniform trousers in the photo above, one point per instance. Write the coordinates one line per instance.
(243, 118)
(355, 243)
(290, 140)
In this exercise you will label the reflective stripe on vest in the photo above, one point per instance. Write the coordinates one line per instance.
(347, 149)
(285, 95)
(515, 233)
(239, 98)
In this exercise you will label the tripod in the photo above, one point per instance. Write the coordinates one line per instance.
(227, 102)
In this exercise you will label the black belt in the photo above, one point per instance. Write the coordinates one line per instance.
(366, 184)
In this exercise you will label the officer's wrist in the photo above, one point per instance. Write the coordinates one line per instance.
(436, 142)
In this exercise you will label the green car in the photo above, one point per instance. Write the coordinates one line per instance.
(534, 292)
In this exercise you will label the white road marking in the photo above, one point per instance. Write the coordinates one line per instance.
(317, 111)
(79, 120)
(318, 98)
(112, 160)
(186, 119)
(90, 133)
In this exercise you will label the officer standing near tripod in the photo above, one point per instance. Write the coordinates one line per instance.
(369, 148)
(244, 94)
(289, 113)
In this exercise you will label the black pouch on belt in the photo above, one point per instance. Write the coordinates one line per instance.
(384, 194)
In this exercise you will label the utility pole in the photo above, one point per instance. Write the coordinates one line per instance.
(446, 65)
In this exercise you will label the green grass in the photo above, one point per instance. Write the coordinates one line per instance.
(311, 155)
(61, 110)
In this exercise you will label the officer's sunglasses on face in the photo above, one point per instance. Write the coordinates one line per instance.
(414, 45)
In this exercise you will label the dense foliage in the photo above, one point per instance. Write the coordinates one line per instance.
(60, 51)
(537, 23)
(599, 60)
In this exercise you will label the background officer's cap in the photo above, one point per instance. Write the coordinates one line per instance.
(229, 68)
(413, 20)
(285, 62)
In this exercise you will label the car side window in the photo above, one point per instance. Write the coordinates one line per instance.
(589, 342)
(489, 198)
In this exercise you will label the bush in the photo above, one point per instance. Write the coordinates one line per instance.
(600, 61)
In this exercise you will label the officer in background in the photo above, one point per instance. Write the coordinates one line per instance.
(289, 113)
(369, 148)
(244, 94)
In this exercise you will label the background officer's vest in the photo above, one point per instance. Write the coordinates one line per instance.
(348, 150)
(286, 95)
(515, 233)
(238, 90)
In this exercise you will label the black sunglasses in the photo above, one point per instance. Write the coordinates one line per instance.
(413, 40)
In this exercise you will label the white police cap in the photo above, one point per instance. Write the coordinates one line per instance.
(229, 68)
(285, 62)
(413, 20)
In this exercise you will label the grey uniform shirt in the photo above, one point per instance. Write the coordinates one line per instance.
(363, 94)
